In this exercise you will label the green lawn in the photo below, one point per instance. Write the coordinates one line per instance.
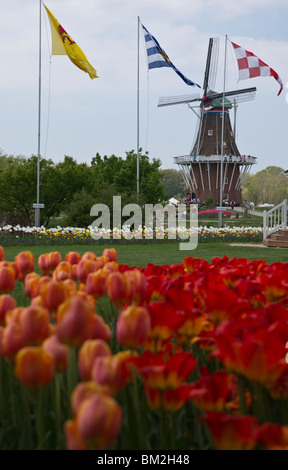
(159, 253)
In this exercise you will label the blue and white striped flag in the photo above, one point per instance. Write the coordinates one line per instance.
(157, 57)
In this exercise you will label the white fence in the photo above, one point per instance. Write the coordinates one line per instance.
(275, 219)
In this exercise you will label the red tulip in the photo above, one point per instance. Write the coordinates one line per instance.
(230, 432)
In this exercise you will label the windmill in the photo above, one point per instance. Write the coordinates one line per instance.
(214, 157)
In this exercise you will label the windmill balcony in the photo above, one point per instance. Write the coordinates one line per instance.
(242, 159)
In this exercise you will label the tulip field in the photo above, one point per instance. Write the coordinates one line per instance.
(100, 355)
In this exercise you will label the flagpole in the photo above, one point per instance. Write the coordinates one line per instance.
(222, 140)
(37, 209)
(138, 111)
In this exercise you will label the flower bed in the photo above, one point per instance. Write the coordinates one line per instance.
(72, 235)
(211, 214)
(98, 355)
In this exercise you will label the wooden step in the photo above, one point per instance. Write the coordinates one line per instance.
(275, 243)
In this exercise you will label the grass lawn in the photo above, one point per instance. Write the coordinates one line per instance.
(139, 254)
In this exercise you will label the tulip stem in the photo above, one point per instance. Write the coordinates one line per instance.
(40, 418)
(58, 414)
(241, 392)
(72, 375)
(27, 417)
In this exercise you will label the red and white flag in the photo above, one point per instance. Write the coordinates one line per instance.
(251, 66)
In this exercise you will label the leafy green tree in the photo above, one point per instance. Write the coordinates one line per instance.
(174, 185)
(266, 186)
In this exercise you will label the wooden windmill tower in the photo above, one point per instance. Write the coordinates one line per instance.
(214, 157)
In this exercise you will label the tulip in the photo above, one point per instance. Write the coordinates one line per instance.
(73, 318)
(85, 390)
(58, 350)
(34, 367)
(162, 372)
(25, 264)
(90, 256)
(1, 341)
(132, 328)
(6, 303)
(97, 329)
(117, 288)
(62, 271)
(53, 294)
(110, 253)
(74, 440)
(84, 267)
(96, 284)
(73, 257)
(12, 340)
(34, 323)
(48, 262)
(7, 279)
(99, 420)
(231, 432)
(1, 253)
(88, 352)
(113, 371)
(31, 285)
(273, 436)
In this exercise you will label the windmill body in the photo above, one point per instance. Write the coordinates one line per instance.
(214, 150)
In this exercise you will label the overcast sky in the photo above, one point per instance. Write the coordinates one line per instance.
(80, 116)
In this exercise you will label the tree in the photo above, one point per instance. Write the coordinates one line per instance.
(58, 184)
(174, 185)
(266, 186)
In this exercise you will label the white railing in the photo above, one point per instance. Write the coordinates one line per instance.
(243, 159)
(275, 219)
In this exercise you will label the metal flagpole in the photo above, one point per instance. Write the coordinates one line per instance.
(37, 208)
(222, 140)
(138, 112)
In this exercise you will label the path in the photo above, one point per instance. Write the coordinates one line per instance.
(240, 209)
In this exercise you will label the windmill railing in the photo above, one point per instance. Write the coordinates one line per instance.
(243, 159)
(275, 219)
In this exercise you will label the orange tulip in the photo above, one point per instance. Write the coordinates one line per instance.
(113, 371)
(34, 322)
(85, 390)
(7, 279)
(110, 253)
(6, 303)
(96, 284)
(48, 262)
(99, 420)
(74, 440)
(1, 253)
(58, 350)
(53, 294)
(62, 271)
(73, 257)
(84, 267)
(34, 367)
(90, 256)
(117, 287)
(133, 326)
(73, 318)
(88, 352)
(25, 264)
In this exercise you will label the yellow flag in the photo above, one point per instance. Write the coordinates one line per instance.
(63, 44)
